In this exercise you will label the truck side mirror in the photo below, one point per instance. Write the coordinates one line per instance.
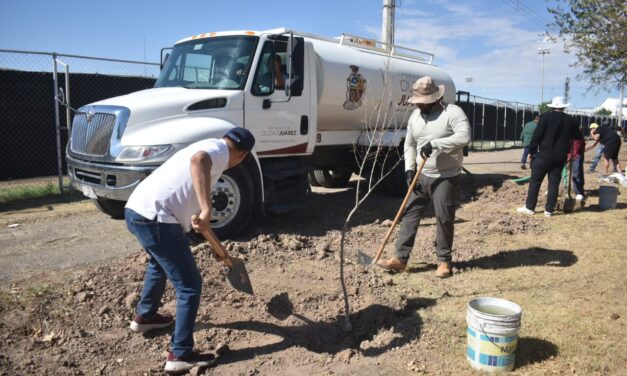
(164, 59)
(290, 53)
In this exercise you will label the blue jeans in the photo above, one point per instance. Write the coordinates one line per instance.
(578, 180)
(597, 157)
(170, 258)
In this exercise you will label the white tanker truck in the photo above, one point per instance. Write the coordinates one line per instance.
(307, 123)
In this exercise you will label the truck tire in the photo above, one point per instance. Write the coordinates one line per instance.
(112, 208)
(232, 202)
(332, 178)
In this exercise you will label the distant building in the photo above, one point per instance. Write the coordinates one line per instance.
(612, 104)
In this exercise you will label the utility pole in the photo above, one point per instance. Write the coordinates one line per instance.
(620, 106)
(543, 51)
(567, 89)
(387, 30)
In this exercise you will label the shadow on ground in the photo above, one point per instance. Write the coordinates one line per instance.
(377, 206)
(329, 336)
(511, 259)
(23, 204)
(532, 350)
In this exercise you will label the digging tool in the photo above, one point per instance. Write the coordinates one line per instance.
(363, 258)
(234, 268)
(569, 203)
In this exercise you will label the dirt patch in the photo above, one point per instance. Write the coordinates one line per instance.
(75, 321)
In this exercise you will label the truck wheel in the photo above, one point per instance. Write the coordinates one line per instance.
(332, 178)
(112, 208)
(232, 202)
(311, 178)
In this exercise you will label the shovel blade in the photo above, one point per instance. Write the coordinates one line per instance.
(568, 205)
(364, 259)
(238, 277)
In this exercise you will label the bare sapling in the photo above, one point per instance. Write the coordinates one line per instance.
(378, 153)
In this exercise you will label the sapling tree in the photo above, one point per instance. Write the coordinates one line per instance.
(378, 154)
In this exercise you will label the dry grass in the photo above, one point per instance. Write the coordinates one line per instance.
(569, 280)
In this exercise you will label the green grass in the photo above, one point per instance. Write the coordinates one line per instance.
(26, 192)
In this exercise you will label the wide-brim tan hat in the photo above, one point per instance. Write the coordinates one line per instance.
(424, 91)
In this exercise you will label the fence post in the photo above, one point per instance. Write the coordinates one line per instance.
(472, 130)
(482, 122)
(57, 120)
(515, 124)
(504, 125)
(496, 126)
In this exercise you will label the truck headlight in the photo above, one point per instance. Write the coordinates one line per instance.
(140, 153)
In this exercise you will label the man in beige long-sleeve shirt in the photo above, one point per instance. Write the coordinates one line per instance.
(440, 131)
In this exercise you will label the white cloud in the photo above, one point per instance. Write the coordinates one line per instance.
(496, 51)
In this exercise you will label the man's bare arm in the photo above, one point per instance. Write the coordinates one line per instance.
(201, 180)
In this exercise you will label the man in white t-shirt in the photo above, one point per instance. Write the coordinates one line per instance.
(159, 213)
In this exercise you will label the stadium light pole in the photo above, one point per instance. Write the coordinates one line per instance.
(468, 81)
(543, 51)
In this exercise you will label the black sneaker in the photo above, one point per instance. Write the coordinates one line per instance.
(523, 167)
(183, 364)
(140, 324)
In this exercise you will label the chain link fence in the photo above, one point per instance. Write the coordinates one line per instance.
(29, 149)
(497, 124)
(32, 149)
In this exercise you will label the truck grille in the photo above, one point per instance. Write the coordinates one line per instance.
(93, 137)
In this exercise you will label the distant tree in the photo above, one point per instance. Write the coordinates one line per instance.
(603, 112)
(598, 30)
(544, 107)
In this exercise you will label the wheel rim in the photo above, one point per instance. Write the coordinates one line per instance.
(225, 201)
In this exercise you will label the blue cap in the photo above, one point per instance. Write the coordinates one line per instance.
(242, 138)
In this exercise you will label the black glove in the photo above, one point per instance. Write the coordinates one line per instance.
(409, 176)
(426, 150)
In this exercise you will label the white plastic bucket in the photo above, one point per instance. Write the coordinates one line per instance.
(608, 195)
(492, 334)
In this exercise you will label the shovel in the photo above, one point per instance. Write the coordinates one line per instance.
(569, 202)
(234, 268)
(363, 258)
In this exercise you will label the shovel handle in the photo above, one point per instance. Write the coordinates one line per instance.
(215, 244)
(400, 212)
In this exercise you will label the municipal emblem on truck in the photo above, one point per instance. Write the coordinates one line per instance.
(355, 89)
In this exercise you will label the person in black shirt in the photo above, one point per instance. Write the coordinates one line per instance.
(611, 140)
(554, 135)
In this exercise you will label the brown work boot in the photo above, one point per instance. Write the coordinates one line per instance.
(392, 265)
(444, 270)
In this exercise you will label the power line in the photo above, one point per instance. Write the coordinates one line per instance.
(529, 13)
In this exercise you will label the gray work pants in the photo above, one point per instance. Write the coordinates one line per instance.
(443, 192)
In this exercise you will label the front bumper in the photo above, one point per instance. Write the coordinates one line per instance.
(115, 182)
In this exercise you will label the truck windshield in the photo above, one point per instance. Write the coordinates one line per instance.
(211, 63)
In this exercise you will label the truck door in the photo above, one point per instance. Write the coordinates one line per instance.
(282, 124)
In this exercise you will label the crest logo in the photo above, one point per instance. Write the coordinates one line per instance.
(355, 89)
(89, 115)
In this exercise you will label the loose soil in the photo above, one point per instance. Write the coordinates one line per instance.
(71, 279)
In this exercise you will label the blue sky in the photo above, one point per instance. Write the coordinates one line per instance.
(492, 41)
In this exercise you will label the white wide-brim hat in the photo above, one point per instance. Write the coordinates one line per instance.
(558, 102)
